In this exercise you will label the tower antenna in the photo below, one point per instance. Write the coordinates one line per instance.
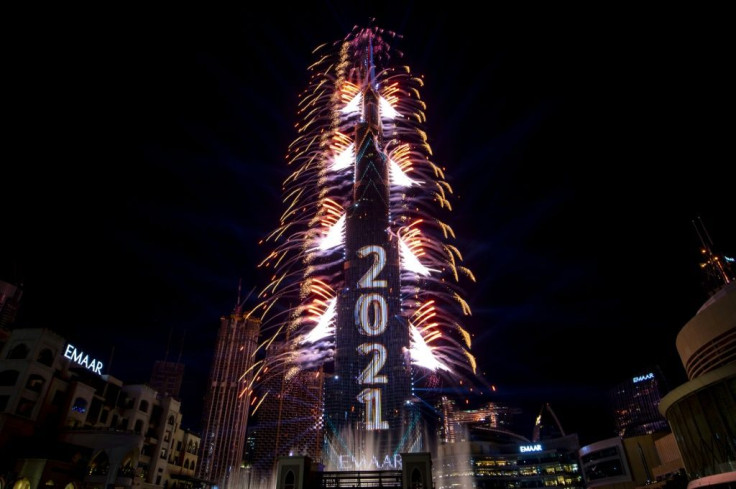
(715, 266)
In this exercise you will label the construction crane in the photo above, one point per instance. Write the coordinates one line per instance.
(538, 422)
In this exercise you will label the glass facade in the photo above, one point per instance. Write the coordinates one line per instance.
(488, 464)
(704, 424)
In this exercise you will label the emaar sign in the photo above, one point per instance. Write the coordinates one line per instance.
(642, 378)
(530, 448)
(80, 358)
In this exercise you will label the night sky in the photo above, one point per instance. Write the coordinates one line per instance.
(146, 155)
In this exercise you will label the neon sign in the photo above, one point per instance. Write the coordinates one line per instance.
(530, 448)
(80, 358)
(641, 378)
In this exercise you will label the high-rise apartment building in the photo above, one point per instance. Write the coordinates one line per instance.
(227, 400)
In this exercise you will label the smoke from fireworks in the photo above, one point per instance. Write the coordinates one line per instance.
(307, 255)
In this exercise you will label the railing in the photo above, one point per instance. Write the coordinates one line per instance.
(345, 479)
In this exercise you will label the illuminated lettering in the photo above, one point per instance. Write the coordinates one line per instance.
(530, 448)
(82, 359)
(376, 364)
(641, 378)
(350, 462)
(368, 280)
(371, 397)
(371, 318)
(371, 314)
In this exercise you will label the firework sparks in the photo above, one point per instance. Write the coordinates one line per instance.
(308, 245)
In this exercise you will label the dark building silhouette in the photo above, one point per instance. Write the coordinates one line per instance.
(10, 296)
(167, 377)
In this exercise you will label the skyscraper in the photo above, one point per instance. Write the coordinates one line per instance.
(227, 400)
(635, 404)
(366, 281)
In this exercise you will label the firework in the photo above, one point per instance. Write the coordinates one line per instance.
(365, 279)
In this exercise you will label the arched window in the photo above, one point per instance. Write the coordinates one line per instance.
(46, 357)
(8, 377)
(23, 483)
(416, 479)
(80, 405)
(99, 465)
(171, 420)
(138, 426)
(289, 480)
(143, 406)
(18, 352)
(35, 382)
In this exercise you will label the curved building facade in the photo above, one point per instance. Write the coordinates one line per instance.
(702, 412)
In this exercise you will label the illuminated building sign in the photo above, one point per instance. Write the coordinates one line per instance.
(530, 448)
(81, 358)
(389, 462)
(641, 378)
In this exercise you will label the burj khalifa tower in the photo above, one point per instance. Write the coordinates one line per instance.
(366, 284)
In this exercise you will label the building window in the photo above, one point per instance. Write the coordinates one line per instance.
(9, 377)
(46, 357)
(80, 405)
(23, 483)
(416, 479)
(138, 426)
(25, 407)
(289, 480)
(18, 352)
(35, 382)
(104, 415)
(144, 406)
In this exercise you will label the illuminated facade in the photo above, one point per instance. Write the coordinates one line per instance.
(635, 404)
(227, 401)
(287, 420)
(455, 423)
(366, 281)
(500, 459)
(63, 424)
